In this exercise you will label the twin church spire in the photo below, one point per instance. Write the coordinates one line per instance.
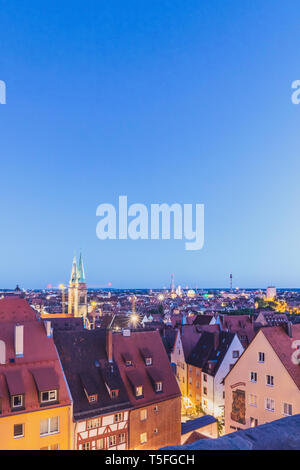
(77, 275)
(77, 298)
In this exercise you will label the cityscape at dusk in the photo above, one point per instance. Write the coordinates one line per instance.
(150, 274)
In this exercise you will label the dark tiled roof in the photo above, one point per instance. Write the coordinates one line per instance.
(83, 353)
(210, 350)
(197, 423)
(138, 373)
(45, 378)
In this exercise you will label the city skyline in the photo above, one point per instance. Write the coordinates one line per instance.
(163, 102)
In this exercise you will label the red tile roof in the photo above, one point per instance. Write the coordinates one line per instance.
(283, 346)
(39, 353)
(139, 373)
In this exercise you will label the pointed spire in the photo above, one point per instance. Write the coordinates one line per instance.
(80, 275)
(74, 271)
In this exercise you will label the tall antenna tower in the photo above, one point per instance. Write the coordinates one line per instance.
(172, 283)
(231, 281)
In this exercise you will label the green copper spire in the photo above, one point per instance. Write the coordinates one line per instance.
(74, 271)
(80, 275)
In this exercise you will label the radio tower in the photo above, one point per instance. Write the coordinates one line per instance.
(172, 283)
(230, 282)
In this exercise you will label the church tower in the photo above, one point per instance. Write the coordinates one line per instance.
(77, 298)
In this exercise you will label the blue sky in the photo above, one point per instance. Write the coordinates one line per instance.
(163, 101)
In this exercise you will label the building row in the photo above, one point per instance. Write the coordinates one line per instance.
(83, 389)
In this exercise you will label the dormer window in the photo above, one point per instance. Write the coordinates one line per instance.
(49, 396)
(114, 393)
(92, 398)
(147, 356)
(139, 391)
(128, 363)
(158, 386)
(17, 401)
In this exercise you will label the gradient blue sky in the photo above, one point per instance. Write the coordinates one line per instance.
(163, 101)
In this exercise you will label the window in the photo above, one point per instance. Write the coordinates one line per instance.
(158, 387)
(270, 404)
(235, 354)
(204, 377)
(252, 400)
(112, 441)
(92, 398)
(49, 396)
(128, 362)
(18, 430)
(93, 423)
(143, 438)
(148, 361)
(155, 409)
(197, 384)
(197, 397)
(114, 393)
(253, 422)
(17, 401)
(143, 415)
(205, 390)
(190, 369)
(287, 409)
(261, 357)
(190, 381)
(122, 438)
(223, 395)
(49, 426)
(270, 380)
(139, 391)
(52, 447)
(118, 417)
(253, 376)
(99, 444)
(86, 446)
(155, 431)
(197, 372)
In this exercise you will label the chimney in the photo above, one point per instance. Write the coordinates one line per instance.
(109, 346)
(290, 329)
(19, 340)
(49, 330)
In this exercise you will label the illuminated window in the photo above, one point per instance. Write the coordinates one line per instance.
(253, 422)
(139, 391)
(148, 361)
(93, 423)
(49, 426)
(143, 438)
(18, 430)
(143, 415)
(252, 400)
(99, 444)
(155, 409)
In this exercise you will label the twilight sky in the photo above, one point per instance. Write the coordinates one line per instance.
(162, 101)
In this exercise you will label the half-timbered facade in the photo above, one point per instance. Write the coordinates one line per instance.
(100, 400)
